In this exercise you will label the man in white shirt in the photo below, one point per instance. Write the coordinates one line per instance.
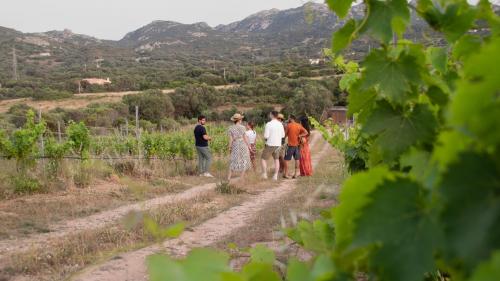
(273, 134)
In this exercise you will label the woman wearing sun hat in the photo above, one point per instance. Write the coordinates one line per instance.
(238, 146)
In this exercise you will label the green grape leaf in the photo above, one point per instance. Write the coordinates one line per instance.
(437, 96)
(488, 271)
(344, 36)
(470, 192)
(475, 108)
(392, 75)
(199, 265)
(297, 271)
(317, 236)
(454, 20)
(418, 161)
(261, 253)
(466, 46)
(340, 7)
(161, 267)
(438, 58)
(448, 145)
(361, 101)
(259, 272)
(353, 197)
(398, 227)
(323, 268)
(395, 130)
(386, 17)
(348, 79)
(174, 230)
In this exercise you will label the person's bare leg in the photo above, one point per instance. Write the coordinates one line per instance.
(297, 168)
(229, 175)
(282, 164)
(264, 168)
(276, 168)
(285, 170)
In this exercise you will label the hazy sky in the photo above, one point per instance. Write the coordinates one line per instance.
(111, 19)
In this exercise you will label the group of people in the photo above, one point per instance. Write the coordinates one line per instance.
(284, 141)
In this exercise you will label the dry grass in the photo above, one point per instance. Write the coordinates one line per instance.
(312, 195)
(64, 257)
(30, 214)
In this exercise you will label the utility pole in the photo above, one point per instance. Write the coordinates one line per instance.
(79, 87)
(224, 74)
(14, 64)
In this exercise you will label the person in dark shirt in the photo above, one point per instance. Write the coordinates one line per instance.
(201, 141)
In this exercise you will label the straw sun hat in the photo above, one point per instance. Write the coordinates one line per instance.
(281, 116)
(237, 117)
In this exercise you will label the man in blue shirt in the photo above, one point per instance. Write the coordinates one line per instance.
(201, 139)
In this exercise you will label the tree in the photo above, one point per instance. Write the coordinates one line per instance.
(311, 100)
(191, 100)
(153, 105)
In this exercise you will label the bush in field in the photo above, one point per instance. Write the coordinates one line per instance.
(22, 144)
(259, 115)
(169, 124)
(192, 100)
(55, 153)
(211, 79)
(153, 105)
(79, 139)
(312, 100)
(23, 184)
(17, 114)
(51, 94)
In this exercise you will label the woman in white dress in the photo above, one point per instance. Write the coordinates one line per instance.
(239, 148)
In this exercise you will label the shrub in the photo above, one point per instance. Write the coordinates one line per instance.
(153, 105)
(24, 184)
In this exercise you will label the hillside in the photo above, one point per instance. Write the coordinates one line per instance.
(177, 53)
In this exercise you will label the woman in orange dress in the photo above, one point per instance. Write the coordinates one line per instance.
(305, 152)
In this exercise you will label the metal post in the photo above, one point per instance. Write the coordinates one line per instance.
(42, 145)
(126, 127)
(137, 121)
(59, 131)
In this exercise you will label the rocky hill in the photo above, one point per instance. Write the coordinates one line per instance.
(300, 32)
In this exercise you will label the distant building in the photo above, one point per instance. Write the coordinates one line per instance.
(41, 55)
(317, 61)
(337, 115)
(96, 81)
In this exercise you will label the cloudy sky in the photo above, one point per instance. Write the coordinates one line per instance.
(111, 19)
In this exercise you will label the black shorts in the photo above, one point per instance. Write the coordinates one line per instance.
(292, 152)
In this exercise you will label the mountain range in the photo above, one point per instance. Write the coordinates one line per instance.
(301, 31)
(272, 34)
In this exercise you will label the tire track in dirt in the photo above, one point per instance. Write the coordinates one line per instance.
(95, 221)
(131, 266)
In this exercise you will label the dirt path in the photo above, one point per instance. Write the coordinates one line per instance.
(96, 221)
(131, 267)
